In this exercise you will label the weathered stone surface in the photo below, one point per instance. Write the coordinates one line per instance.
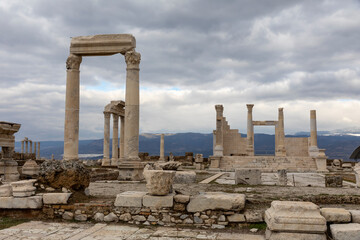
(302, 217)
(23, 188)
(30, 168)
(99, 217)
(171, 165)
(81, 217)
(185, 177)
(129, 199)
(111, 217)
(69, 174)
(333, 181)
(355, 216)
(253, 216)
(139, 218)
(158, 201)
(5, 190)
(216, 200)
(336, 215)
(350, 231)
(159, 182)
(68, 215)
(125, 217)
(236, 218)
(179, 198)
(282, 177)
(33, 202)
(56, 198)
(270, 235)
(250, 176)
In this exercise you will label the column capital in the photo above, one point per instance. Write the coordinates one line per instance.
(73, 62)
(281, 109)
(249, 107)
(219, 108)
(132, 59)
(107, 114)
(115, 116)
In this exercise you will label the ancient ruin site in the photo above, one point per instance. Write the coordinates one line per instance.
(125, 172)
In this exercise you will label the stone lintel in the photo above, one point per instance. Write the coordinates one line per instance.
(106, 44)
(265, 123)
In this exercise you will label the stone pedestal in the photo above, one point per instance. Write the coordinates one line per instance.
(131, 171)
(8, 170)
(30, 168)
(23, 188)
(251, 176)
(215, 163)
(159, 182)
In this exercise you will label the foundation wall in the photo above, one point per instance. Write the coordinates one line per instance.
(297, 147)
(269, 163)
(233, 143)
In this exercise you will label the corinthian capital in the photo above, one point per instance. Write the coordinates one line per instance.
(132, 59)
(73, 62)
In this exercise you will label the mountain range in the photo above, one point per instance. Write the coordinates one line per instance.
(339, 145)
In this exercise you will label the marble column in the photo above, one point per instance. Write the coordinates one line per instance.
(71, 129)
(35, 145)
(122, 133)
(162, 148)
(132, 100)
(115, 140)
(26, 146)
(31, 149)
(106, 147)
(131, 168)
(22, 146)
(313, 148)
(38, 150)
(250, 131)
(219, 148)
(280, 135)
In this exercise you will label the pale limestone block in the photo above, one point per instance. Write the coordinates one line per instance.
(158, 201)
(5, 190)
(159, 182)
(68, 215)
(33, 202)
(302, 217)
(270, 235)
(236, 218)
(23, 188)
(355, 216)
(216, 200)
(184, 177)
(254, 216)
(349, 231)
(129, 199)
(56, 198)
(30, 168)
(337, 215)
(251, 176)
(179, 198)
(111, 217)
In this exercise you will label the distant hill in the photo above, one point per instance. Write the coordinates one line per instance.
(337, 146)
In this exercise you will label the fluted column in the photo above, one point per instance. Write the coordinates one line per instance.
(106, 147)
(132, 100)
(122, 133)
(30, 147)
(35, 149)
(71, 129)
(162, 148)
(250, 131)
(22, 146)
(26, 146)
(38, 150)
(219, 148)
(115, 140)
(280, 135)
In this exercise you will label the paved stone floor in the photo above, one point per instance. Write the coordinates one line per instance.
(36, 230)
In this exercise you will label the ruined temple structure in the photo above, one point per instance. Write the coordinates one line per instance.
(8, 166)
(232, 150)
(115, 109)
(104, 45)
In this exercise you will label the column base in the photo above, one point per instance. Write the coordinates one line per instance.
(115, 162)
(215, 162)
(106, 162)
(8, 169)
(131, 171)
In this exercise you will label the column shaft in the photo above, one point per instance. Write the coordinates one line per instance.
(106, 147)
(122, 133)
(250, 131)
(26, 146)
(38, 150)
(115, 140)
(35, 149)
(30, 147)
(72, 101)
(313, 129)
(280, 135)
(162, 148)
(22, 146)
(219, 147)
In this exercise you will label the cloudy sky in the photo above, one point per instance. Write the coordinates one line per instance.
(299, 55)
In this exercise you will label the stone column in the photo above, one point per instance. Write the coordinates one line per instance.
(280, 134)
(219, 148)
(131, 168)
(162, 149)
(313, 148)
(38, 150)
(250, 131)
(30, 147)
(71, 129)
(26, 146)
(35, 149)
(106, 147)
(115, 140)
(132, 100)
(122, 133)
(22, 146)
